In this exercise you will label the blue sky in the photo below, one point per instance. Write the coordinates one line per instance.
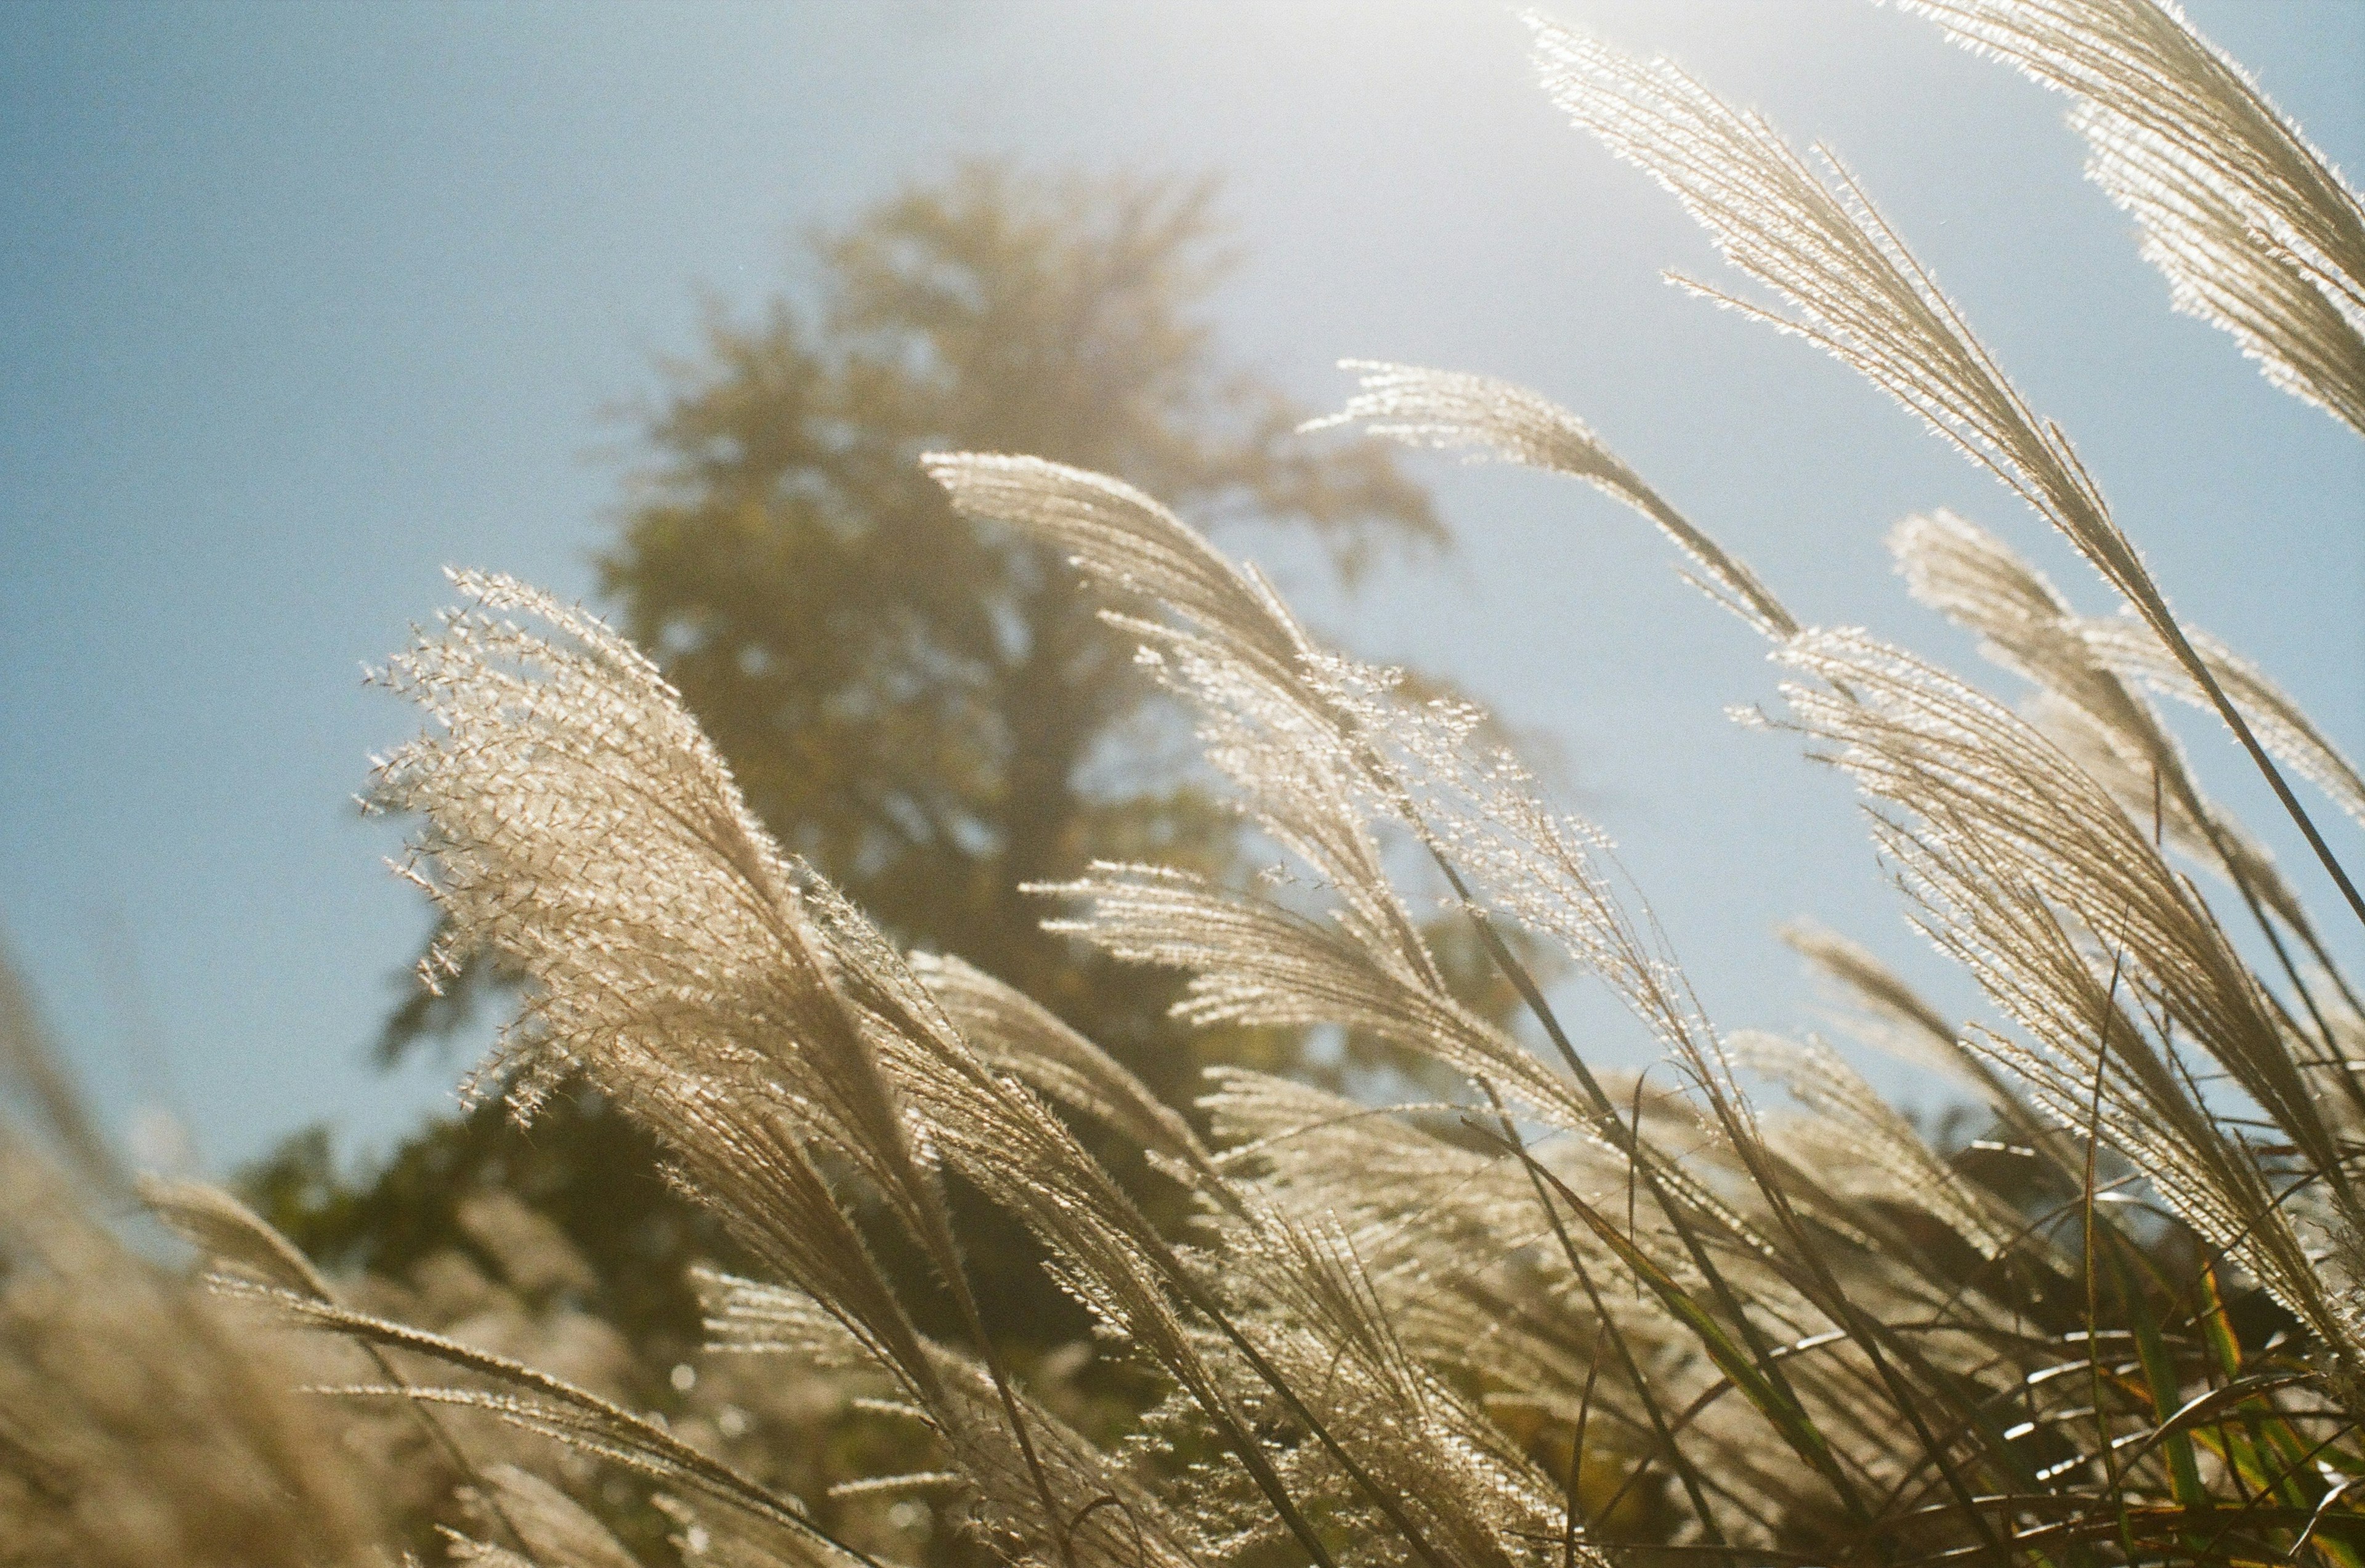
(299, 303)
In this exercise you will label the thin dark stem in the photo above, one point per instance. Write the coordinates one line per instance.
(1685, 1471)
(1576, 1453)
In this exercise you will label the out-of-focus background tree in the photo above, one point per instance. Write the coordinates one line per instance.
(922, 706)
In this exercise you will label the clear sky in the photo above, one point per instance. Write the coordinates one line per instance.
(299, 303)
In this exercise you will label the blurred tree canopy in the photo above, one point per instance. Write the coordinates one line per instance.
(924, 706)
(927, 707)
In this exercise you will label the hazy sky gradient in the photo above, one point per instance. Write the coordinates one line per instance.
(299, 304)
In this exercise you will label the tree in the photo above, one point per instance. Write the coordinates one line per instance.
(919, 703)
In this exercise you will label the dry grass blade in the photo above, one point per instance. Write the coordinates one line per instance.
(556, 1531)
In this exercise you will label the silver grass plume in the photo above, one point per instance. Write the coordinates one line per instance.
(2089, 676)
(1857, 293)
(1449, 409)
(1323, 750)
(1892, 1014)
(2027, 626)
(1013, 1031)
(1854, 290)
(555, 1530)
(576, 820)
(1253, 962)
(140, 1423)
(1279, 717)
(1319, 751)
(1862, 1148)
(2037, 881)
(2255, 230)
(30, 1067)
